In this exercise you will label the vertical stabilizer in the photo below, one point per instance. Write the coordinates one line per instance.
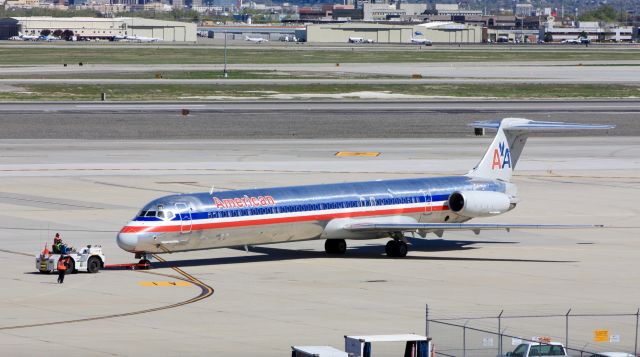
(502, 156)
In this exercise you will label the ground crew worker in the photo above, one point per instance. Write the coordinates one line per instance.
(57, 244)
(63, 265)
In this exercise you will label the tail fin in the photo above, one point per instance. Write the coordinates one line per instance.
(502, 156)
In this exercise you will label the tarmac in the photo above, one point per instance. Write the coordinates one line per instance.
(298, 119)
(565, 72)
(275, 296)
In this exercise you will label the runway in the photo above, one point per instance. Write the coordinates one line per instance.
(293, 294)
(560, 72)
(295, 119)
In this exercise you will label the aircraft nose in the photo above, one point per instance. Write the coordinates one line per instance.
(127, 241)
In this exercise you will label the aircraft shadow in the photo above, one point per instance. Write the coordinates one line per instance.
(361, 252)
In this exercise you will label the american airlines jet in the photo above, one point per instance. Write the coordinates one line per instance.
(336, 212)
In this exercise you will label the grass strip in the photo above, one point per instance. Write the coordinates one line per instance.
(146, 92)
(204, 55)
(196, 74)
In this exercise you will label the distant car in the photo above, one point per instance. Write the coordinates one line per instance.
(613, 354)
(571, 41)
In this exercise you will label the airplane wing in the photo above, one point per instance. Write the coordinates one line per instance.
(440, 228)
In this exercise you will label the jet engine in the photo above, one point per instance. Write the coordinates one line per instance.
(479, 203)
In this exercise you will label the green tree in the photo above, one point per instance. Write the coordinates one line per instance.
(548, 37)
(604, 13)
(45, 32)
(67, 35)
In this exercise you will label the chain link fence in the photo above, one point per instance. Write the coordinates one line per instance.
(490, 336)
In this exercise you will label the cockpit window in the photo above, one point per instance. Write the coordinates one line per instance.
(150, 214)
(142, 213)
(166, 215)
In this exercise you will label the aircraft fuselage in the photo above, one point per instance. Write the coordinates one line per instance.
(260, 216)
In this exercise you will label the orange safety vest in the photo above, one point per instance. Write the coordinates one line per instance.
(61, 265)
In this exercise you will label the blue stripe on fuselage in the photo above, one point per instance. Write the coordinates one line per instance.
(385, 193)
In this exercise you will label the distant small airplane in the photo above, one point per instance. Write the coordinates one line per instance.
(420, 41)
(135, 38)
(577, 41)
(22, 37)
(255, 39)
(49, 38)
(360, 40)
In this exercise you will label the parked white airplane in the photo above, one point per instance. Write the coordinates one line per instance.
(136, 38)
(360, 40)
(421, 41)
(49, 38)
(335, 212)
(22, 37)
(255, 39)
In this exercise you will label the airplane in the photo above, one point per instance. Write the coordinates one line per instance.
(335, 212)
(135, 38)
(360, 40)
(421, 41)
(22, 37)
(49, 38)
(255, 39)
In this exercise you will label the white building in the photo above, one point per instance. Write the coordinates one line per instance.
(437, 32)
(377, 12)
(109, 28)
(455, 10)
(594, 31)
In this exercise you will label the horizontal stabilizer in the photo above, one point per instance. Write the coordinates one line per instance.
(503, 154)
(526, 124)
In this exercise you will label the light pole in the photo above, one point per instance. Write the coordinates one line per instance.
(226, 74)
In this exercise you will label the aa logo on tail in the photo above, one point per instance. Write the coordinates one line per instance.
(501, 157)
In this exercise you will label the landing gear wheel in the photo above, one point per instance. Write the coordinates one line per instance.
(144, 264)
(390, 248)
(93, 265)
(335, 246)
(397, 249)
(401, 249)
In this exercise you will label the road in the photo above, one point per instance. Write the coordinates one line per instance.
(299, 119)
(583, 72)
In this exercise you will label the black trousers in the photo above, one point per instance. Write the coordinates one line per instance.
(61, 276)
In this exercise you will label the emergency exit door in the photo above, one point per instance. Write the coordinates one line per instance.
(184, 212)
(428, 204)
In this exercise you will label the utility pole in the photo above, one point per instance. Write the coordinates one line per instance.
(226, 74)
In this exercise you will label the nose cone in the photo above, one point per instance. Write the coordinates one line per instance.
(127, 241)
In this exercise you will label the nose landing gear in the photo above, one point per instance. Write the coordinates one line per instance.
(145, 262)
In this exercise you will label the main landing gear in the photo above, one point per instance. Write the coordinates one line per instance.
(335, 246)
(396, 247)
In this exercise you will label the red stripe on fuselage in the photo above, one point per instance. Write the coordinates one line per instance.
(265, 221)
